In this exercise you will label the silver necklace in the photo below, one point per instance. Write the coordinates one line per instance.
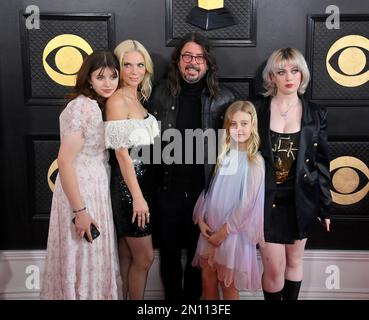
(284, 114)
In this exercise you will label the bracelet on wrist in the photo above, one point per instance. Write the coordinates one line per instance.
(79, 210)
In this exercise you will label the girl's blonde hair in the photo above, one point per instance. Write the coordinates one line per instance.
(133, 45)
(252, 143)
(278, 60)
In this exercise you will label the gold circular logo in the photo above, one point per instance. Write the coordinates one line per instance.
(351, 61)
(68, 59)
(346, 180)
(65, 63)
(53, 167)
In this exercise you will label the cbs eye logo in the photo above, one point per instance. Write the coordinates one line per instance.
(348, 179)
(51, 175)
(66, 53)
(348, 61)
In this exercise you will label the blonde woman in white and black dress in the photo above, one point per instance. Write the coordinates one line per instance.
(297, 181)
(129, 127)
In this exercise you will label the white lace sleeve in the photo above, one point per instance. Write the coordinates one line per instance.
(130, 133)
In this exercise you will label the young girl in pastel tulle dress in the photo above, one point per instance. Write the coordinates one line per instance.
(230, 211)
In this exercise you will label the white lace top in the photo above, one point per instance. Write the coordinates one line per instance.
(131, 132)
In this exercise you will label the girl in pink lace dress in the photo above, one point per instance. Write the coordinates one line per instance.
(77, 265)
(230, 213)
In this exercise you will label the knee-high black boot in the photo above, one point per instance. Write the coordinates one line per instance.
(291, 290)
(272, 295)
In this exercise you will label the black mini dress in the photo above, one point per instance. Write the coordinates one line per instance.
(284, 228)
(137, 135)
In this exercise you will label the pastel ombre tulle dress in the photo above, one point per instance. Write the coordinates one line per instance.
(235, 197)
(74, 268)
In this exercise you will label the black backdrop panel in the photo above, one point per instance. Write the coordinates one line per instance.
(44, 153)
(344, 235)
(29, 134)
(94, 29)
(319, 41)
(357, 204)
(243, 33)
(243, 87)
(349, 222)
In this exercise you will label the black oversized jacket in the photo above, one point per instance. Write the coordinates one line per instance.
(312, 179)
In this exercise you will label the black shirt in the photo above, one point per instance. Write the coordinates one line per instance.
(187, 176)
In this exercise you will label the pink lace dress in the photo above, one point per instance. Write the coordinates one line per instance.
(75, 268)
(236, 198)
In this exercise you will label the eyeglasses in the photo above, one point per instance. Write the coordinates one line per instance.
(188, 58)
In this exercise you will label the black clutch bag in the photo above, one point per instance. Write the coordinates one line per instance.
(94, 231)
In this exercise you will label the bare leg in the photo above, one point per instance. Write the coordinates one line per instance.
(125, 260)
(274, 262)
(142, 259)
(230, 293)
(209, 283)
(294, 260)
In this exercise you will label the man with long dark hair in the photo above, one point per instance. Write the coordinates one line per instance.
(189, 99)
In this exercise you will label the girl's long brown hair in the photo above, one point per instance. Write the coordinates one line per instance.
(98, 59)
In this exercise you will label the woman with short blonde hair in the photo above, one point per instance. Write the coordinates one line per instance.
(294, 144)
(276, 61)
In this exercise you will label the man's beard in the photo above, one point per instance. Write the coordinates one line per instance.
(192, 80)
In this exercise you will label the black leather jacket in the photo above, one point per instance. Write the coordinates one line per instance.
(312, 184)
(165, 108)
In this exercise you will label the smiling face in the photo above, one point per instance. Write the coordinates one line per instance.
(287, 78)
(133, 69)
(192, 71)
(104, 81)
(240, 127)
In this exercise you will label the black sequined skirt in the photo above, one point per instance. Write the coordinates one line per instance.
(122, 200)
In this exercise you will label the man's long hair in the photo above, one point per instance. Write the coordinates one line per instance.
(174, 75)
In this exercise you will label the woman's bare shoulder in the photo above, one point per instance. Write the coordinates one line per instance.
(117, 107)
